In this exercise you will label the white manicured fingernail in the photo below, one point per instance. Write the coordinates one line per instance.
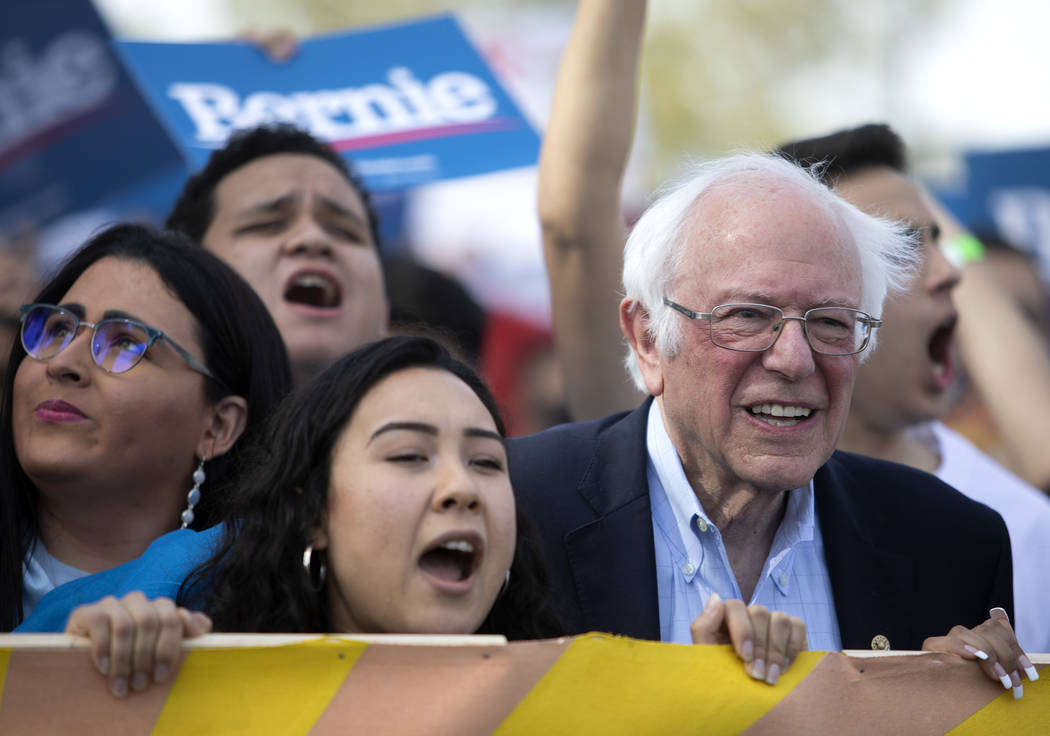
(1030, 672)
(1003, 677)
(975, 652)
(1018, 692)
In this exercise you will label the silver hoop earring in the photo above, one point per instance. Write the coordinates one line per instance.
(194, 496)
(315, 573)
(506, 584)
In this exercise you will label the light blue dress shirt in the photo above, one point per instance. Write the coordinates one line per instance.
(691, 560)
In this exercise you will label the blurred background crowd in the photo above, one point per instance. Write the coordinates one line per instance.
(962, 82)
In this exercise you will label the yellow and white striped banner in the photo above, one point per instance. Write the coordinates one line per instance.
(596, 683)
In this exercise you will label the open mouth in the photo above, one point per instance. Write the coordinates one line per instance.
(939, 348)
(314, 290)
(454, 560)
(781, 415)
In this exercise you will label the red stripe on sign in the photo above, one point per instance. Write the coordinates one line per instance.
(421, 134)
(51, 135)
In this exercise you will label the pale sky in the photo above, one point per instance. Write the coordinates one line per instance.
(987, 73)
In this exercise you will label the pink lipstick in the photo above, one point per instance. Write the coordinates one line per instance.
(57, 411)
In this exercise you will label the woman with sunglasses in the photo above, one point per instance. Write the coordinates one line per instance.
(139, 367)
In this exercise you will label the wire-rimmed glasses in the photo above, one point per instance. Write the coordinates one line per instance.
(117, 343)
(754, 328)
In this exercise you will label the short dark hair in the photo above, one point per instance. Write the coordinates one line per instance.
(255, 582)
(194, 208)
(846, 152)
(240, 344)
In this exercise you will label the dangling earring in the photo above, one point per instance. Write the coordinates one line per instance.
(194, 496)
(506, 584)
(316, 578)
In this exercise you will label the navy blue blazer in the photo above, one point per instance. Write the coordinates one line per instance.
(908, 556)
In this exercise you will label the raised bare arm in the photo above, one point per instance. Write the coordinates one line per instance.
(1007, 361)
(585, 152)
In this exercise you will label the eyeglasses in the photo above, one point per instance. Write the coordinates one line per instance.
(117, 343)
(753, 328)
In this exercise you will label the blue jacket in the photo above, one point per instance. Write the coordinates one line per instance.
(908, 556)
(159, 572)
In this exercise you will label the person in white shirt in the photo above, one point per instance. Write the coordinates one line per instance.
(906, 385)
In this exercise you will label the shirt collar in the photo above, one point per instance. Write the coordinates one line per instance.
(668, 466)
(799, 516)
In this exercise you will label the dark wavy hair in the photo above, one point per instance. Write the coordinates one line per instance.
(240, 343)
(255, 581)
(848, 151)
(194, 208)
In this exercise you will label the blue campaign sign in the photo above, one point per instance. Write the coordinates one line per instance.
(1012, 190)
(407, 103)
(74, 131)
(1008, 193)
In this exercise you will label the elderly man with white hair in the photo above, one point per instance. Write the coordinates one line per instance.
(752, 295)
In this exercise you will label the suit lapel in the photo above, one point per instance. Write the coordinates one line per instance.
(612, 558)
(613, 562)
(872, 588)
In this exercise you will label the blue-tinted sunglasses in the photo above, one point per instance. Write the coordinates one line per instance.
(117, 343)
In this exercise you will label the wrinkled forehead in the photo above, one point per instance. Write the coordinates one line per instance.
(747, 228)
(761, 202)
(284, 175)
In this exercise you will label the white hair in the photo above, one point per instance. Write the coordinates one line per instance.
(654, 251)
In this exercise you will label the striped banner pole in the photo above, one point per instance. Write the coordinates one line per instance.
(594, 683)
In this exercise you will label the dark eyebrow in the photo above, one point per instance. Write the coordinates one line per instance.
(406, 426)
(338, 208)
(75, 308)
(269, 206)
(118, 314)
(341, 210)
(486, 433)
(78, 309)
(432, 430)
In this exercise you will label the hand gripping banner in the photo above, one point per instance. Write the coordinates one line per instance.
(595, 683)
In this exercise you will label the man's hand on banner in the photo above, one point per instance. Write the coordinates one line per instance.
(136, 641)
(767, 642)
